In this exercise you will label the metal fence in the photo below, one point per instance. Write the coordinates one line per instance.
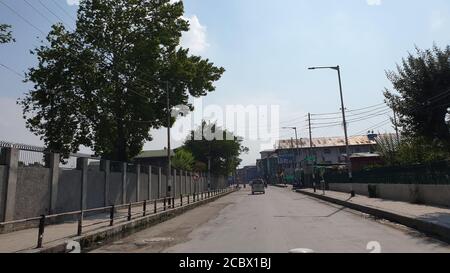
(437, 173)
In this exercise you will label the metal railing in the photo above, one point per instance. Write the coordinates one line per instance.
(148, 208)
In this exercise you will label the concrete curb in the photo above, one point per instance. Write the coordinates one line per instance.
(280, 186)
(97, 238)
(438, 231)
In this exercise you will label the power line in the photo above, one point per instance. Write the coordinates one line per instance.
(39, 12)
(23, 18)
(11, 70)
(63, 10)
(54, 14)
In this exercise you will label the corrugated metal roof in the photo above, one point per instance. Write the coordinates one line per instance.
(153, 154)
(326, 142)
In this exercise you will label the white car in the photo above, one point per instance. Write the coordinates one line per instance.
(258, 186)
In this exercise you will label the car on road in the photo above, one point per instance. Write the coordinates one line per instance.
(258, 186)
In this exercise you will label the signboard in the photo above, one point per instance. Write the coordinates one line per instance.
(196, 177)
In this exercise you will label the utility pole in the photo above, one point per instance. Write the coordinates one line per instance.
(169, 152)
(349, 166)
(310, 135)
(348, 162)
(311, 144)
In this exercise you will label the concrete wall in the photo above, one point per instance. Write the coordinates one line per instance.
(34, 187)
(131, 187)
(143, 188)
(32, 192)
(155, 187)
(437, 195)
(95, 189)
(69, 191)
(3, 174)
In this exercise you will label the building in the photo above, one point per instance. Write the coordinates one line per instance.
(268, 166)
(361, 160)
(324, 150)
(247, 174)
(156, 158)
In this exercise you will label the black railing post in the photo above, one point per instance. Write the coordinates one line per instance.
(189, 197)
(164, 203)
(41, 231)
(129, 212)
(155, 209)
(173, 202)
(80, 224)
(145, 208)
(181, 200)
(111, 216)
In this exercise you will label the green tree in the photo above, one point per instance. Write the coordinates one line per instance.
(221, 146)
(104, 84)
(183, 160)
(5, 34)
(422, 85)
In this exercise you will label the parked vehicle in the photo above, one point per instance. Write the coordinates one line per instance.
(258, 186)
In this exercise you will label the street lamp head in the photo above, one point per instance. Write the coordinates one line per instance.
(311, 68)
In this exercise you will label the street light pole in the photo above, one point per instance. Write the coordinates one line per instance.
(347, 159)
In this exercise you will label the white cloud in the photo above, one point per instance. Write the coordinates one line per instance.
(437, 20)
(73, 2)
(195, 38)
(374, 2)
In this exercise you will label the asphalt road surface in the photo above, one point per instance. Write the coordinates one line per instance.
(277, 222)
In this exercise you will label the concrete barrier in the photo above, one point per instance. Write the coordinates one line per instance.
(97, 238)
(438, 231)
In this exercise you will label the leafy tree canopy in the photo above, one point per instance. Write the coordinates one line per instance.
(222, 146)
(104, 84)
(422, 85)
(5, 34)
(183, 160)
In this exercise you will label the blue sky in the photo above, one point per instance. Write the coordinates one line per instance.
(266, 47)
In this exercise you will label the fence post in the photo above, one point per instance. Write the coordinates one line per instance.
(138, 182)
(174, 183)
(155, 209)
(111, 216)
(181, 200)
(54, 181)
(149, 169)
(124, 183)
(80, 224)
(159, 183)
(11, 160)
(82, 164)
(164, 203)
(145, 208)
(107, 167)
(41, 231)
(185, 182)
(129, 212)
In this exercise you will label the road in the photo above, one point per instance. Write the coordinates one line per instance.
(276, 222)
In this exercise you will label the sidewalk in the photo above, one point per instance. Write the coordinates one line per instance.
(27, 239)
(428, 219)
